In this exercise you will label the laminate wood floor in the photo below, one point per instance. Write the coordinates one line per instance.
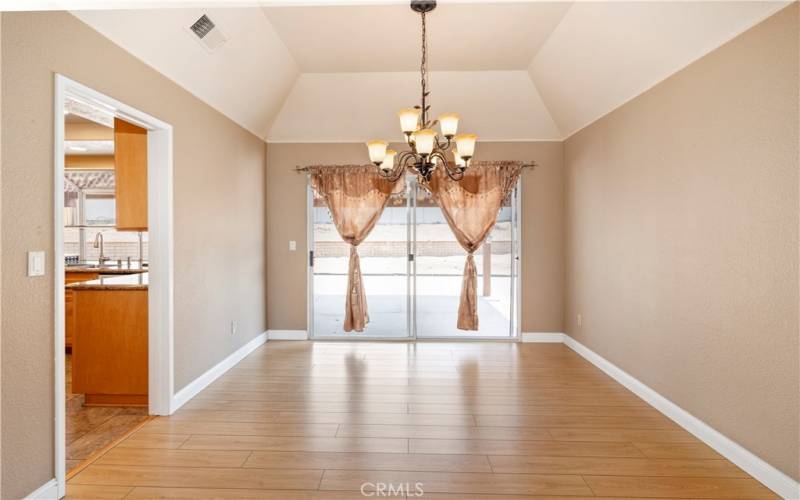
(91, 428)
(464, 421)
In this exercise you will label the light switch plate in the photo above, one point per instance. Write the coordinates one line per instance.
(292, 246)
(36, 263)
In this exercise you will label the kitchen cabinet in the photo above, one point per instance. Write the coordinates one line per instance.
(109, 354)
(69, 303)
(130, 171)
(69, 324)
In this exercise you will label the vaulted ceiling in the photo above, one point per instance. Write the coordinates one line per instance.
(513, 70)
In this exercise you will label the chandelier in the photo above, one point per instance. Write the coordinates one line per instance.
(428, 151)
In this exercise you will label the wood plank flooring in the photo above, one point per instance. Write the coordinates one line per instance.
(463, 421)
(91, 428)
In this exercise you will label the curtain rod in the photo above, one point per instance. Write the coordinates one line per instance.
(298, 168)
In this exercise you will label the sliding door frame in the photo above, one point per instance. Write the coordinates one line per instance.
(310, 276)
(310, 257)
(411, 273)
(516, 273)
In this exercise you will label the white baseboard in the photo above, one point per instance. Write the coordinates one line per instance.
(771, 477)
(47, 491)
(542, 337)
(288, 334)
(203, 381)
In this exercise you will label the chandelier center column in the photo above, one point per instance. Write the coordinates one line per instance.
(424, 73)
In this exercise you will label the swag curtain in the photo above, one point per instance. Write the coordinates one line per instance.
(470, 207)
(356, 197)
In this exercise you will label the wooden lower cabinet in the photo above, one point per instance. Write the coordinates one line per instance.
(69, 313)
(109, 350)
(69, 304)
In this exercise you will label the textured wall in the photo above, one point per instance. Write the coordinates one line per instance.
(219, 222)
(1, 232)
(542, 227)
(682, 239)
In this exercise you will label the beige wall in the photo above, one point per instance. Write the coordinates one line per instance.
(1, 246)
(682, 239)
(681, 232)
(218, 213)
(542, 231)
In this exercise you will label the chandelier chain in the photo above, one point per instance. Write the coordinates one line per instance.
(424, 73)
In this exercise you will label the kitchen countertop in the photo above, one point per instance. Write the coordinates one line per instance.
(137, 281)
(106, 269)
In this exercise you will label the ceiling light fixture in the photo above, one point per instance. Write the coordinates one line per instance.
(428, 151)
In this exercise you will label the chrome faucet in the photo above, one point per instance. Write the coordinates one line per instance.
(98, 243)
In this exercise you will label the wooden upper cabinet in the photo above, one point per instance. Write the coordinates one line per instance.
(130, 171)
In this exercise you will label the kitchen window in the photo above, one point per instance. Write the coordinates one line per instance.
(89, 208)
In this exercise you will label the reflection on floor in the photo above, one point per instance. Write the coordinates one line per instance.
(436, 316)
(444, 420)
(437, 302)
(92, 428)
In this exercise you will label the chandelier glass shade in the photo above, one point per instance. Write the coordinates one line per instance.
(428, 150)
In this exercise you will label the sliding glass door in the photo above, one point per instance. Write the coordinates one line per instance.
(439, 268)
(413, 267)
(384, 268)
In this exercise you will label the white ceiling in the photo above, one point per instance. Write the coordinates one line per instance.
(513, 70)
(246, 79)
(353, 107)
(387, 37)
(603, 54)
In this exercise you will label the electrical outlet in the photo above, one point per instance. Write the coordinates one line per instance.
(234, 327)
(292, 245)
(580, 321)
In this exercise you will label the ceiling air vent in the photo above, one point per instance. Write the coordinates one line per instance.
(205, 31)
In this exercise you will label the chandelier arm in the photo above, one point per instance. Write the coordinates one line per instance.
(397, 172)
(401, 159)
(394, 173)
(442, 146)
(400, 169)
(437, 154)
(412, 144)
(455, 174)
(411, 160)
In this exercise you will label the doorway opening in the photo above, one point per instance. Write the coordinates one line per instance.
(412, 268)
(113, 272)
